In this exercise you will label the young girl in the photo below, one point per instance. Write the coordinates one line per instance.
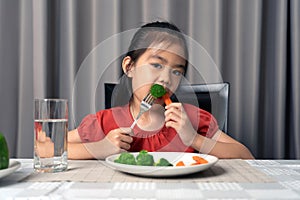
(157, 55)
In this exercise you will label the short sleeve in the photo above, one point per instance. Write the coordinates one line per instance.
(89, 129)
(208, 124)
(204, 122)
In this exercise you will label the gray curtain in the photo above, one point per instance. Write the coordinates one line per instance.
(52, 49)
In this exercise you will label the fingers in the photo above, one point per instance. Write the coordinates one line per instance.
(44, 149)
(172, 117)
(125, 130)
(175, 108)
(174, 112)
(177, 118)
(126, 138)
(41, 136)
(172, 124)
(121, 138)
(124, 145)
(123, 141)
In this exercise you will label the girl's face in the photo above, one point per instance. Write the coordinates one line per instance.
(164, 67)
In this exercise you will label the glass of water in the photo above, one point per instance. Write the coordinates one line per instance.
(50, 135)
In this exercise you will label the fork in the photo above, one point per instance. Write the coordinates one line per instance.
(145, 106)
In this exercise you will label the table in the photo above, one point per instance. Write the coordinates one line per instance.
(228, 179)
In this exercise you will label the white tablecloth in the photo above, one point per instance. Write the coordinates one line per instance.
(279, 179)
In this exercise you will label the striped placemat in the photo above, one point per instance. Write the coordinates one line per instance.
(225, 170)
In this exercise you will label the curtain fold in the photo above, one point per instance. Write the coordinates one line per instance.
(9, 72)
(273, 79)
(294, 66)
(25, 82)
(240, 67)
(69, 48)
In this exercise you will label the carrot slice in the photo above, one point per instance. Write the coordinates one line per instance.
(196, 163)
(200, 160)
(167, 99)
(180, 163)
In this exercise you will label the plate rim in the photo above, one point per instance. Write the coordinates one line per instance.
(13, 166)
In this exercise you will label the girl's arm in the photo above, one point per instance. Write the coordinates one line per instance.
(77, 149)
(221, 146)
(116, 141)
(73, 136)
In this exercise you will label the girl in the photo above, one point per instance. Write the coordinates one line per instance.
(157, 54)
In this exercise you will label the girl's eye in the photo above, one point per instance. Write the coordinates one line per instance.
(177, 73)
(156, 65)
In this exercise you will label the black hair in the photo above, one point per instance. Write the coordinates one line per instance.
(156, 32)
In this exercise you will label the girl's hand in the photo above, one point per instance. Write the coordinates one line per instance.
(176, 117)
(44, 147)
(120, 138)
(116, 141)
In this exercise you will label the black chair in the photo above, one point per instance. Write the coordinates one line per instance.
(213, 98)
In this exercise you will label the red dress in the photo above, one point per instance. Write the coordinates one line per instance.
(94, 127)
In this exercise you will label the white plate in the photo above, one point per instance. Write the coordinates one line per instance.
(13, 166)
(172, 157)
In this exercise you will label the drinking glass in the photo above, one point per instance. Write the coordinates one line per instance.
(50, 135)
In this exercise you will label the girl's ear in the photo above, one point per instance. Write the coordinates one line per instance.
(127, 66)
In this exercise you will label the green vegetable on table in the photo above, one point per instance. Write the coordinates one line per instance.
(144, 159)
(4, 153)
(126, 158)
(157, 90)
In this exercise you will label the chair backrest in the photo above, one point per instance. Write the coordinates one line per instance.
(115, 96)
(213, 98)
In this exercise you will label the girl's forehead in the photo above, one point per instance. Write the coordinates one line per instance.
(160, 48)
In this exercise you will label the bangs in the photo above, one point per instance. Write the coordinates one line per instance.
(163, 40)
(160, 38)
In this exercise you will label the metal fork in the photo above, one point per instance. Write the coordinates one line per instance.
(145, 106)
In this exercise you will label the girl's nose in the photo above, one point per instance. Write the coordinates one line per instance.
(165, 76)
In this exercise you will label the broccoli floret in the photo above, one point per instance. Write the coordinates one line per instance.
(126, 158)
(157, 90)
(144, 159)
(163, 162)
